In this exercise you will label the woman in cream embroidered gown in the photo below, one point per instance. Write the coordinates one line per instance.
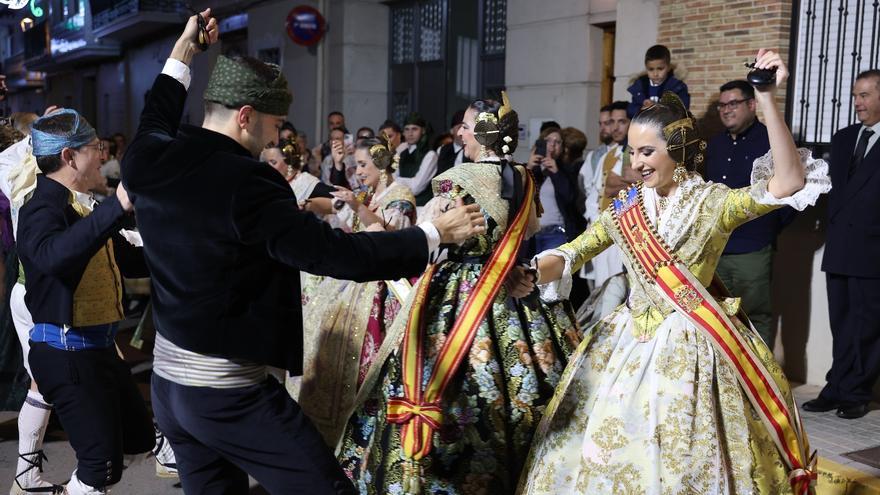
(344, 321)
(497, 395)
(647, 405)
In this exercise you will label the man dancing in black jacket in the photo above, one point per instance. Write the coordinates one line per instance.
(224, 240)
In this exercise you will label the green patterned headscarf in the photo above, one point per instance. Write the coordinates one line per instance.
(236, 84)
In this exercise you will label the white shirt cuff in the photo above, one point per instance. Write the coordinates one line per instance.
(433, 236)
(178, 70)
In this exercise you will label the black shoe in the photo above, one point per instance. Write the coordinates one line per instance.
(820, 404)
(852, 411)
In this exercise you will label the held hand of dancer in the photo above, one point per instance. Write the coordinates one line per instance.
(788, 171)
(187, 45)
(550, 268)
(346, 196)
(122, 196)
(460, 223)
(768, 59)
(520, 282)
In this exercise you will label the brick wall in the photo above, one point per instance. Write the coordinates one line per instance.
(710, 40)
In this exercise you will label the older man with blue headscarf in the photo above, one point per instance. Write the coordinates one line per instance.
(74, 292)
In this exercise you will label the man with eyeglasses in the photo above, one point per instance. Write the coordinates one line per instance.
(747, 262)
(73, 258)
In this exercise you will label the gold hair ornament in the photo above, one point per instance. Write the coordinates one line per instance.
(382, 155)
(682, 127)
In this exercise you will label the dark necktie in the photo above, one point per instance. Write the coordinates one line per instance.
(861, 148)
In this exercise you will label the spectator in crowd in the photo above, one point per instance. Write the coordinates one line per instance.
(312, 164)
(339, 167)
(363, 134)
(418, 162)
(121, 145)
(851, 264)
(335, 120)
(591, 162)
(451, 154)
(574, 143)
(747, 263)
(286, 132)
(109, 163)
(647, 88)
(3, 89)
(605, 272)
(557, 183)
(392, 131)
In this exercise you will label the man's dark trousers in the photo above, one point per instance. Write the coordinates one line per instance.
(220, 435)
(853, 303)
(99, 405)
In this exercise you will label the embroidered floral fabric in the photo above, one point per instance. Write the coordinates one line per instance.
(497, 396)
(646, 405)
(344, 323)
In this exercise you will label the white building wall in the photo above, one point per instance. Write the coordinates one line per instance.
(266, 29)
(636, 31)
(356, 62)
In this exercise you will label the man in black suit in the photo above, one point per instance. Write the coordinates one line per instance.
(852, 258)
(225, 241)
(452, 154)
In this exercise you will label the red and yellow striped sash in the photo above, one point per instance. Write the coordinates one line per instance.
(679, 287)
(418, 411)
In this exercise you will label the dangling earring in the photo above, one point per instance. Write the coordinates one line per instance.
(679, 174)
(383, 177)
(290, 171)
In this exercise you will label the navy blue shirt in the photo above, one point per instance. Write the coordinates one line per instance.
(729, 161)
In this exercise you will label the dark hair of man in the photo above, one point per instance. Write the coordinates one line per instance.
(547, 124)
(390, 124)
(335, 112)
(605, 108)
(59, 124)
(875, 73)
(658, 52)
(287, 126)
(744, 87)
(618, 105)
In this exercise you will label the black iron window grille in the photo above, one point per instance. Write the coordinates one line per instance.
(835, 40)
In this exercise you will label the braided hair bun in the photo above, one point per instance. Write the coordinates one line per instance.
(501, 134)
(678, 127)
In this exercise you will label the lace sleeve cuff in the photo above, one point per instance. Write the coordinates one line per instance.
(557, 290)
(816, 181)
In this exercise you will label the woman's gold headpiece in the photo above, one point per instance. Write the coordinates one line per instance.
(486, 130)
(382, 155)
(685, 127)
